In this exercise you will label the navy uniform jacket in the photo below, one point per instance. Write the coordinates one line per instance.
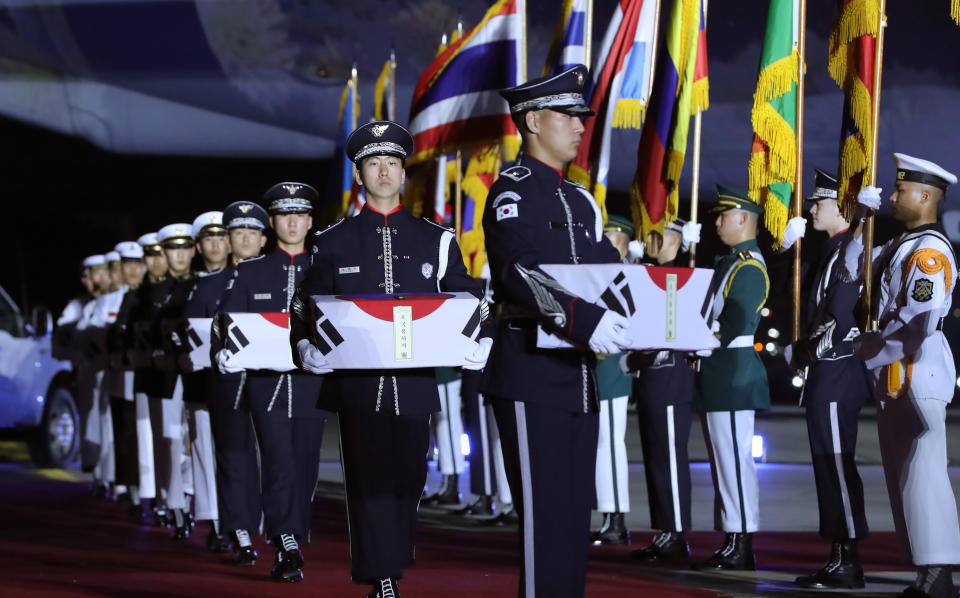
(535, 216)
(266, 284)
(167, 321)
(138, 338)
(375, 253)
(827, 347)
(204, 298)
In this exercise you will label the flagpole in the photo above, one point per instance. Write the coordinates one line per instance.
(522, 12)
(798, 186)
(695, 184)
(458, 198)
(392, 105)
(870, 324)
(588, 34)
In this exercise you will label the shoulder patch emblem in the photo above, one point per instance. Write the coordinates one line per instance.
(426, 269)
(517, 173)
(922, 290)
(507, 211)
(505, 196)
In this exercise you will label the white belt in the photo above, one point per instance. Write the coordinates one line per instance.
(744, 340)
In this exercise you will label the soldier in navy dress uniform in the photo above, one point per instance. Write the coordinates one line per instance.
(837, 386)
(546, 401)
(283, 406)
(214, 248)
(912, 367)
(384, 414)
(235, 445)
(663, 391)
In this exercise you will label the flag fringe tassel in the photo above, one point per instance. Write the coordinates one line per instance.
(629, 114)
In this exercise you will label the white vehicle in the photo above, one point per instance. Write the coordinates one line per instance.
(36, 390)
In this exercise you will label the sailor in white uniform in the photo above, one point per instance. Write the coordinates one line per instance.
(913, 369)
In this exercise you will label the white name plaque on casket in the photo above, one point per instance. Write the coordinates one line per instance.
(662, 304)
(397, 331)
(198, 342)
(258, 341)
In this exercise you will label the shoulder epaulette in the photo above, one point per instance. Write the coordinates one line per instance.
(746, 259)
(517, 173)
(247, 260)
(745, 255)
(576, 184)
(206, 273)
(320, 232)
(440, 226)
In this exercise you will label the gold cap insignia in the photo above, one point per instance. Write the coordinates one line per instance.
(179, 231)
(245, 208)
(292, 189)
(379, 130)
(901, 175)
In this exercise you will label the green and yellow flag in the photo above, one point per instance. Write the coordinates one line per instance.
(773, 159)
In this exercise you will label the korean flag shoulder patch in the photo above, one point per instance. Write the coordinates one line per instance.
(507, 211)
(922, 289)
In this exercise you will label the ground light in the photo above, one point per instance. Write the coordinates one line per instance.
(759, 448)
(465, 445)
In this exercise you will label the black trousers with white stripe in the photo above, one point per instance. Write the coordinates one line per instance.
(550, 458)
(664, 432)
(835, 392)
(384, 470)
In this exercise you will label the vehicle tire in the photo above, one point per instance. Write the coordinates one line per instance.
(57, 442)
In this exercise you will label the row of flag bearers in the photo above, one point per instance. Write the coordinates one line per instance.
(549, 405)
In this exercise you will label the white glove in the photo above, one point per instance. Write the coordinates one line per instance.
(623, 365)
(704, 353)
(690, 233)
(223, 362)
(869, 197)
(634, 250)
(311, 359)
(795, 229)
(610, 335)
(478, 359)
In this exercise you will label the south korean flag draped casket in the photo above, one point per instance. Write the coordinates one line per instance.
(396, 331)
(665, 306)
(197, 341)
(257, 341)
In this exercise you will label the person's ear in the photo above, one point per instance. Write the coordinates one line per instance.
(532, 120)
(356, 175)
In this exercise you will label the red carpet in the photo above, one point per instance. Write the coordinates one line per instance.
(57, 540)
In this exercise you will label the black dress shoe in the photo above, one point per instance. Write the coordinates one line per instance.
(736, 554)
(482, 507)
(613, 531)
(181, 528)
(933, 581)
(99, 490)
(385, 588)
(666, 547)
(135, 511)
(448, 494)
(217, 542)
(288, 564)
(842, 571)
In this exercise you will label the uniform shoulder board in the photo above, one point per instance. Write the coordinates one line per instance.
(517, 173)
(744, 255)
(247, 260)
(440, 226)
(320, 232)
(206, 273)
(576, 184)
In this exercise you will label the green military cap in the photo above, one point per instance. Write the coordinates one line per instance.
(618, 224)
(729, 198)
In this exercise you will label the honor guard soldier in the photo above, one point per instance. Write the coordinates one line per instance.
(178, 247)
(235, 445)
(913, 369)
(612, 477)
(546, 401)
(87, 380)
(147, 381)
(732, 383)
(663, 390)
(384, 414)
(283, 406)
(837, 386)
(65, 331)
(214, 248)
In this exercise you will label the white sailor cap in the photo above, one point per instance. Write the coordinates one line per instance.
(111, 257)
(208, 223)
(150, 244)
(917, 170)
(94, 261)
(129, 251)
(175, 235)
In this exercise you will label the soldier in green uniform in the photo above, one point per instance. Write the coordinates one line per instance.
(732, 382)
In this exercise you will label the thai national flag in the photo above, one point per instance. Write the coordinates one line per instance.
(622, 81)
(456, 102)
(571, 39)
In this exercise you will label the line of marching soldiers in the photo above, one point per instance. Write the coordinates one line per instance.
(245, 444)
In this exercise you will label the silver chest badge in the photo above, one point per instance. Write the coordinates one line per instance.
(427, 270)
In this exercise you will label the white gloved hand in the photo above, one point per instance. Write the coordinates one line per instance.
(690, 233)
(311, 359)
(634, 250)
(795, 229)
(223, 362)
(704, 353)
(610, 335)
(623, 364)
(478, 359)
(869, 197)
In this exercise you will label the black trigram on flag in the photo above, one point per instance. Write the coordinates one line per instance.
(617, 296)
(193, 339)
(235, 339)
(327, 336)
